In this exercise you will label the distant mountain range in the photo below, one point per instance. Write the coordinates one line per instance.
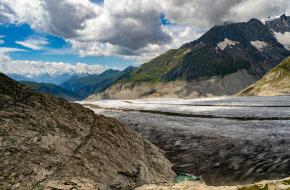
(46, 78)
(88, 85)
(53, 90)
(75, 87)
(276, 82)
(225, 60)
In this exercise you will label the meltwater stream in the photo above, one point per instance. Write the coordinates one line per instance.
(229, 140)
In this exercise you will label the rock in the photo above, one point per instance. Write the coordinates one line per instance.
(49, 143)
(264, 185)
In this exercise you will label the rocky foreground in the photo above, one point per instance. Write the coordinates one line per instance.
(264, 185)
(48, 143)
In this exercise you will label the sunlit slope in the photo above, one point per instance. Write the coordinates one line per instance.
(275, 82)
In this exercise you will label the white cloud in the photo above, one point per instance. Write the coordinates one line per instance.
(180, 35)
(38, 68)
(6, 50)
(33, 43)
(131, 28)
(206, 13)
(128, 23)
(24, 11)
(58, 17)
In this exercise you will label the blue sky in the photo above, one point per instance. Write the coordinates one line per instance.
(56, 37)
(13, 33)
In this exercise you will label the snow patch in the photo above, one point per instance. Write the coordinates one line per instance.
(226, 43)
(283, 38)
(259, 45)
(269, 19)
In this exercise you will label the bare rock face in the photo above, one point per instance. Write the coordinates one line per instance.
(48, 143)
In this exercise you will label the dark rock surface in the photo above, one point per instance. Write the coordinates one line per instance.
(280, 25)
(48, 143)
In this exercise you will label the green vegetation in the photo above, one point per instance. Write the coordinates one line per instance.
(153, 70)
(286, 182)
(285, 65)
(275, 82)
(187, 64)
(88, 85)
(206, 62)
(52, 89)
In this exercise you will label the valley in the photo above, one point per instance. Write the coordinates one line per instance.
(226, 140)
(144, 95)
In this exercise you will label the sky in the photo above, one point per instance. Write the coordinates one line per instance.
(55, 37)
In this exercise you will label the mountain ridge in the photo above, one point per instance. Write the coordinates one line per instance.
(274, 83)
(237, 52)
(52, 89)
(86, 85)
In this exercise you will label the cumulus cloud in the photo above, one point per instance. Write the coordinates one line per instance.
(179, 36)
(38, 68)
(128, 23)
(205, 13)
(131, 28)
(24, 11)
(58, 17)
(33, 43)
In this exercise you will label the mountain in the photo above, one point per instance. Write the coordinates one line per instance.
(274, 83)
(225, 60)
(53, 90)
(49, 143)
(88, 85)
(19, 77)
(56, 79)
(281, 30)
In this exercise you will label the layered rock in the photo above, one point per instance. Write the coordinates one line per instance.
(49, 143)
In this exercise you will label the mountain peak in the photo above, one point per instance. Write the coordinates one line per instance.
(283, 17)
(254, 20)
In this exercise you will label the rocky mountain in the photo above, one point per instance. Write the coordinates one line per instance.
(225, 60)
(280, 27)
(53, 90)
(88, 85)
(49, 143)
(274, 83)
